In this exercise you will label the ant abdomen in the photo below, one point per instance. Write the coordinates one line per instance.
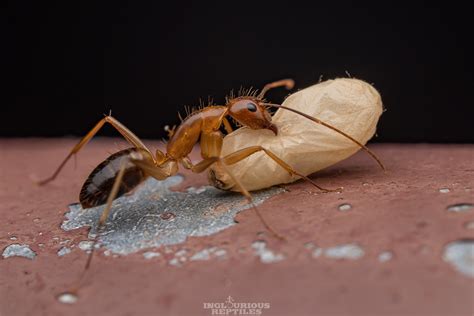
(98, 185)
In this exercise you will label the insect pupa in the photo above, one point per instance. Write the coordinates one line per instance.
(350, 105)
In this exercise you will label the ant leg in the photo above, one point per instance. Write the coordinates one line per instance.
(211, 146)
(288, 83)
(227, 126)
(244, 153)
(126, 133)
(150, 169)
(206, 163)
(246, 193)
(158, 171)
(101, 222)
(140, 161)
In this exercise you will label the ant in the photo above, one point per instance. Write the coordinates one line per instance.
(124, 170)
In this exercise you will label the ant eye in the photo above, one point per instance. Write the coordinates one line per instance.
(251, 107)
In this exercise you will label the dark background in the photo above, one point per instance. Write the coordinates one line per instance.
(68, 63)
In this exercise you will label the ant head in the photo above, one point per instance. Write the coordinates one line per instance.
(250, 111)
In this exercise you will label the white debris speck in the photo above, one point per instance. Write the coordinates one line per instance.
(385, 256)
(13, 238)
(196, 190)
(344, 207)
(174, 262)
(63, 251)
(349, 251)
(207, 253)
(151, 254)
(461, 207)
(85, 245)
(17, 250)
(179, 258)
(181, 253)
(259, 245)
(67, 298)
(460, 254)
(266, 255)
(221, 253)
(201, 255)
(444, 190)
(309, 245)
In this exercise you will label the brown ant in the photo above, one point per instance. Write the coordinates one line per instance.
(126, 169)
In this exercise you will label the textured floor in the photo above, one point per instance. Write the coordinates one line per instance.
(393, 243)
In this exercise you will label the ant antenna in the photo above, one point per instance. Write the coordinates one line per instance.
(288, 83)
(331, 127)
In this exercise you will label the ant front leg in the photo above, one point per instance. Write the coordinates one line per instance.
(211, 146)
(126, 133)
(244, 153)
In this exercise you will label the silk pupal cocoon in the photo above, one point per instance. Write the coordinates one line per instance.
(351, 105)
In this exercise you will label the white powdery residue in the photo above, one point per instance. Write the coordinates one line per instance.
(179, 258)
(67, 298)
(460, 254)
(85, 245)
(174, 262)
(220, 253)
(63, 251)
(204, 254)
(348, 251)
(344, 207)
(385, 256)
(17, 250)
(181, 253)
(266, 255)
(461, 207)
(207, 253)
(196, 190)
(151, 254)
(147, 213)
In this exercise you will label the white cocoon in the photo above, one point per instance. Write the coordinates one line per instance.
(351, 105)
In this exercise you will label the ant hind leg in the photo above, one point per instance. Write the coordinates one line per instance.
(148, 166)
(126, 133)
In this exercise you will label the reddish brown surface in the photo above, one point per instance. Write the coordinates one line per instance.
(400, 210)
